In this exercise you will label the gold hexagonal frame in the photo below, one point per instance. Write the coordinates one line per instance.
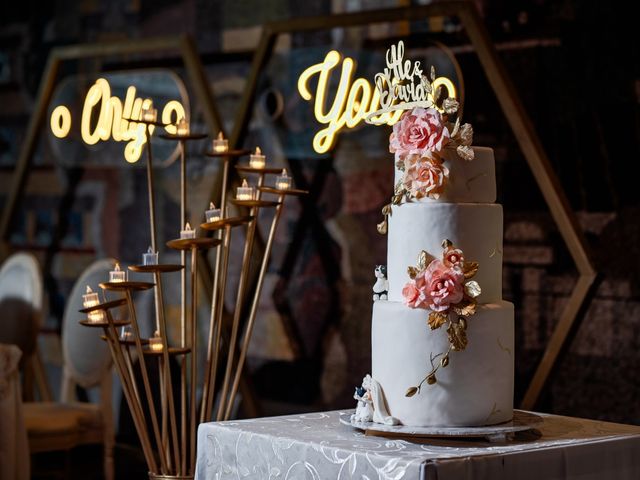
(517, 118)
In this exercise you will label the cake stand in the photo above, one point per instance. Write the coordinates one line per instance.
(522, 421)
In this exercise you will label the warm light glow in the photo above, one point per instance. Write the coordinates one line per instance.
(220, 144)
(257, 160)
(244, 192)
(213, 214)
(60, 121)
(354, 101)
(110, 122)
(117, 275)
(283, 181)
(155, 342)
(182, 128)
(90, 299)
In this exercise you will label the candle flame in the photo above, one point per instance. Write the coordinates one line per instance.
(244, 183)
(187, 227)
(220, 136)
(258, 151)
(149, 250)
(211, 206)
(117, 267)
(284, 172)
(89, 289)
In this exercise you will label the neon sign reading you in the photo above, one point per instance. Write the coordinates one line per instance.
(104, 117)
(400, 86)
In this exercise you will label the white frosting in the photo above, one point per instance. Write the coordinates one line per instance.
(474, 228)
(476, 388)
(469, 182)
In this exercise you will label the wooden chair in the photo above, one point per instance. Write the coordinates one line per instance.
(54, 426)
(21, 292)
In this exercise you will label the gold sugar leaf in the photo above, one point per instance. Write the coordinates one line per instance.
(456, 127)
(470, 269)
(433, 73)
(396, 199)
(431, 379)
(436, 320)
(445, 361)
(386, 210)
(382, 227)
(465, 152)
(466, 307)
(472, 289)
(457, 336)
(446, 243)
(450, 105)
(423, 260)
(411, 391)
(399, 188)
(413, 272)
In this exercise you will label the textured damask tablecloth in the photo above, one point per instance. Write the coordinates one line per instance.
(316, 446)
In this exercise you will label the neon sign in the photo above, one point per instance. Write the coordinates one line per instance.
(104, 117)
(399, 87)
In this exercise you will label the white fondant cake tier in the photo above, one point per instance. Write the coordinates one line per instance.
(474, 228)
(469, 182)
(476, 388)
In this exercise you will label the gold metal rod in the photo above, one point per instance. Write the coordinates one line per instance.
(183, 257)
(163, 414)
(126, 379)
(183, 309)
(166, 364)
(145, 380)
(213, 367)
(254, 307)
(214, 296)
(244, 274)
(194, 358)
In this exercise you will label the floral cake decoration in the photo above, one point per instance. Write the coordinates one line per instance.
(445, 287)
(419, 140)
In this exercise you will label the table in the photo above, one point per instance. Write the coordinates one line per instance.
(316, 446)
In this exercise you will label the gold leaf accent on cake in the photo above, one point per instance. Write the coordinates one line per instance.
(411, 391)
(445, 361)
(431, 379)
(502, 347)
(466, 307)
(457, 336)
(446, 243)
(465, 152)
(423, 260)
(470, 269)
(472, 289)
(436, 320)
(413, 272)
(382, 227)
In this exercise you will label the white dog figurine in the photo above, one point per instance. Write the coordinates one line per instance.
(381, 286)
(364, 410)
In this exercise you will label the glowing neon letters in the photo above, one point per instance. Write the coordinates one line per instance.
(104, 118)
(397, 88)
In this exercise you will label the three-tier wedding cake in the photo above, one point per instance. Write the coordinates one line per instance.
(442, 337)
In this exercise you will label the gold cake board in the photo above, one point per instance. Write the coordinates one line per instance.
(502, 432)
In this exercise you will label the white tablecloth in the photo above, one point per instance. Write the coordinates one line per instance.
(316, 446)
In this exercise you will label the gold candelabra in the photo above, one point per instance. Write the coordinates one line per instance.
(168, 439)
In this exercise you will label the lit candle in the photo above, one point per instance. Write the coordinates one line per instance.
(90, 299)
(155, 342)
(150, 258)
(183, 127)
(245, 192)
(283, 181)
(117, 275)
(188, 232)
(220, 144)
(149, 114)
(213, 214)
(257, 159)
(126, 333)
